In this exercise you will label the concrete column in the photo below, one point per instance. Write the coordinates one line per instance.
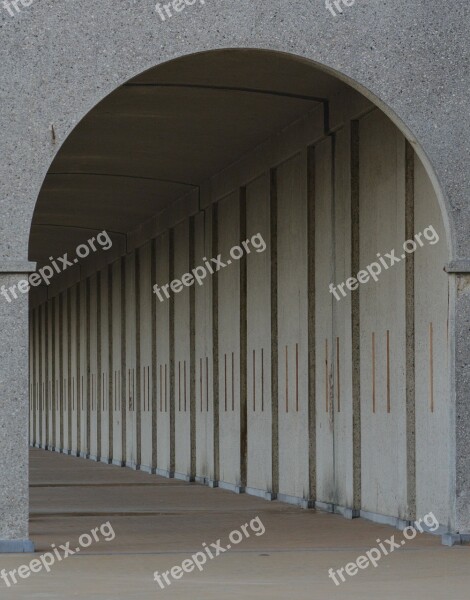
(14, 493)
(459, 361)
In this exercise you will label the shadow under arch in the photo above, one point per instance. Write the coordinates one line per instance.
(242, 65)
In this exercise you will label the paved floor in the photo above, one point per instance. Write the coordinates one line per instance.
(158, 523)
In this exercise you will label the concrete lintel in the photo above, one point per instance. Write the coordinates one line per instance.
(16, 546)
(458, 266)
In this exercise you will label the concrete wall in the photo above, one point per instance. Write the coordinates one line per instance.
(260, 379)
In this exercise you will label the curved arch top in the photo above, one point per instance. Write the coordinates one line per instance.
(378, 50)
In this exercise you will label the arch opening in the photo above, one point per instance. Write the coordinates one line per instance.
(275, 375)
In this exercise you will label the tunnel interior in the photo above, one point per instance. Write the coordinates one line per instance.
(261, 377)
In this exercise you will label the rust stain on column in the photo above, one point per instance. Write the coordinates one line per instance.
(373, 372)
(254, 380)
(431, 367)
(388, 371)
(287, 380)
(338, 377)
(297, 377)
(326, 377)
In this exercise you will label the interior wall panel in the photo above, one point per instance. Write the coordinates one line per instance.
(146, 371)
(432, 386)
(162, 336)
(258, 359)
(204, 352)
(383, 319)
(293, 329)
(229, 344)
(131, 374)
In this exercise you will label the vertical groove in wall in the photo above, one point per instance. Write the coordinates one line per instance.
(40, 361)
(33, 358)
(46, 373)
(243, 348)
(274, 333)
(172, 353)
(355, 317)
(192, 351)
(138, 407)
(110, 364)
(410, 336)
(99, 387)
(79, 372)
(88, 365)
(61, 371)
(312, 456)
(123, 363)
(68, 294)
(215, 341)
(53, 391)
(153, 268)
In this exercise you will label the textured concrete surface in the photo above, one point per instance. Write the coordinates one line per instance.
(14, 419)
(60, 59)
(159, 523)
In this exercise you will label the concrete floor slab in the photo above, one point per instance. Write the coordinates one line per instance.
(159, 523)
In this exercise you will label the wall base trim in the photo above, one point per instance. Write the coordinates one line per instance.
(455, 539)
(145, 469)
(118, 463)
(164, 473)
(213, 483)
(386, 520)
(106, 460)
(132, 465)
(296, 501)
(231, 487)
(344, 511)
(16, 547)
(183, 477)
(260, 494)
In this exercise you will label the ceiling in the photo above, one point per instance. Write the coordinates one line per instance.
(162, 134)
